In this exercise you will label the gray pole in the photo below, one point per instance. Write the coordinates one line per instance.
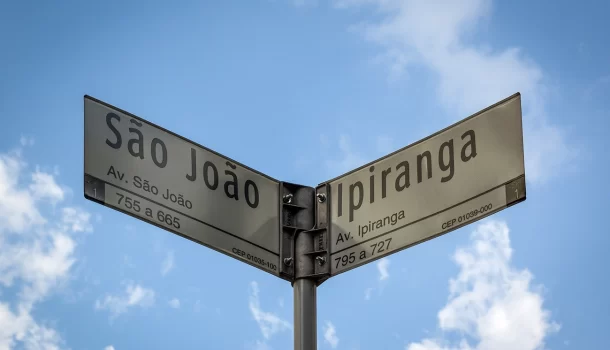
(310, 255)
(305, 325)
(304, 294)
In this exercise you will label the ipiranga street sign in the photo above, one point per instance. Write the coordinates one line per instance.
(459, 175)
(145, 171)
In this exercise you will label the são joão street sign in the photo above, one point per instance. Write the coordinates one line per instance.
(457, 176)
(152, 174)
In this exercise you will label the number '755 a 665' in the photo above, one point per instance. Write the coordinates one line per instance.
(134, 205)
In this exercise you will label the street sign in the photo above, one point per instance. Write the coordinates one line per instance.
(455, 177)
(152, 174)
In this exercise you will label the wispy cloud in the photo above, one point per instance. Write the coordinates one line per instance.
(44, 187)
(433, 34)
(330, 335)
(383, 275)
(109, 347)
(174, 303)
(168, 263)
(26, 141)
(347, 159)
(268, 322)
(491, 301)
(76, 219)
(383, 267)
(37, 251)
(134, 295)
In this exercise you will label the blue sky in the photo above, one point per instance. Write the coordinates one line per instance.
(303, 91)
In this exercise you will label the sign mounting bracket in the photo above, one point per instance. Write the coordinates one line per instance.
(304, 246)
(296, 216)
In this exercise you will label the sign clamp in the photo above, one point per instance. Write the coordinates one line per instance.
(296, 216)
(304, 246)
(319, 235)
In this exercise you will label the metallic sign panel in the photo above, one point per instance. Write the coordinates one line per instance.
(152, 174)
(452, 178)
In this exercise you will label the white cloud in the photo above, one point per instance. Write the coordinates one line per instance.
(348, 159)
(42, 338)
(368, 293)
(174, 303)
(26, 141)
(438, 35)
(76, 219)
(135, 295)
(43, 186)
(491, 301)
(19, 210)
(268, 322)
(330, 335)
(37, 251)
(382, 266)
(168, 263)
(383, 269)
(109, 347)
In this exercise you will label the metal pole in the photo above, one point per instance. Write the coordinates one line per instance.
(305, 325)
(304, 294)
(306, 273)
